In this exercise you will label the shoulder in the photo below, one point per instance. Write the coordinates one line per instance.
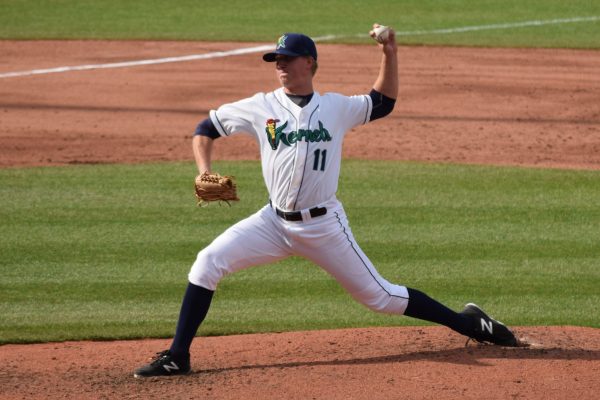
(262, 97)
(255, 99)
(332, 96)
(338, 98)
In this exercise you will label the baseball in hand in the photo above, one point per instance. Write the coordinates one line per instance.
(381, 33)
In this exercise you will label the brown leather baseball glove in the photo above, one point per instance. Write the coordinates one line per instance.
(214, 187)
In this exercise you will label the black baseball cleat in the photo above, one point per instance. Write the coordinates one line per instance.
(487, 329)
(164, 364)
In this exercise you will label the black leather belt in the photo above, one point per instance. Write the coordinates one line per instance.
(297, 215)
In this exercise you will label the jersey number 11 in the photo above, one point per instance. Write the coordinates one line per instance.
(320, 155)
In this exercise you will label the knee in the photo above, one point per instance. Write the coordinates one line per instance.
(380, 306)
(390, 305)
(381, 301)
(374, 300)
(207, 271)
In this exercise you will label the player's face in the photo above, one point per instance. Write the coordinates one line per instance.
(294, 73)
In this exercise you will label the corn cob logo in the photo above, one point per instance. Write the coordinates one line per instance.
(271, 125)
(272, 132)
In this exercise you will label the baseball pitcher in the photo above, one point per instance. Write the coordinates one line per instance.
(300, 134)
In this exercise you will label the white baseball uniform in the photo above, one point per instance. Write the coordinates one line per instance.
(301, 153)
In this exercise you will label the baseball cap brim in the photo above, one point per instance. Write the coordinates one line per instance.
(270, 57)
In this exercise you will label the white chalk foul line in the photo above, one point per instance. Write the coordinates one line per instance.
(500, 26)
(258, 49)
(192, 57)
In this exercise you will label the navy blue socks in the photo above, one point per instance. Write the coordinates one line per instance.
(194, 308)
(424, 307)
(196, 303)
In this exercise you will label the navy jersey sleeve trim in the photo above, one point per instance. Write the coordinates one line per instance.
(382, 105)
(208, 129)
(369, 109)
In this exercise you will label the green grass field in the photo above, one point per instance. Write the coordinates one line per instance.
(99, 252)
(253, 20)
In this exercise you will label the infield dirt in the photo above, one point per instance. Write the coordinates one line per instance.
(529, 107)
(500, 106)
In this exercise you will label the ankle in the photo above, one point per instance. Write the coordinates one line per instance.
(179, 354)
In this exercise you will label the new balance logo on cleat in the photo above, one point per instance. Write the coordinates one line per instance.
(164, 364)
(487, 329)
(487, 326)
(171, 367)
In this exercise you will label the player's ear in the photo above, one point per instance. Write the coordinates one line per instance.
(314, 65)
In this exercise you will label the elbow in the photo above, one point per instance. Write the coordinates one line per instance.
(382, 105)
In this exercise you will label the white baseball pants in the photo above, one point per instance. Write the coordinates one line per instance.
(326, 240)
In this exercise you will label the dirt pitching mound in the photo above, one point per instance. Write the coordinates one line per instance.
(381, 363)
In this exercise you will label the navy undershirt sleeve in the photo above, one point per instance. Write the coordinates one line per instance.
(207, 128)
(382, 105)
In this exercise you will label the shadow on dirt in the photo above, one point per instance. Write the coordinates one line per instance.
(473, 355)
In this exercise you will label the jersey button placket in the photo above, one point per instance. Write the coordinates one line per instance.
(300, 160)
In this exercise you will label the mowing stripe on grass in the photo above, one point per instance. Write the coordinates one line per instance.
(258, 49)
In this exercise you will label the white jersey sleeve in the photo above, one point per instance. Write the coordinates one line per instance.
(353, 110)
(237, 117)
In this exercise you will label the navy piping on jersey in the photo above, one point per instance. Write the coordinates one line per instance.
(220, 124)
(296, 153)
(367, 111)
(361, 259)
(305, 156)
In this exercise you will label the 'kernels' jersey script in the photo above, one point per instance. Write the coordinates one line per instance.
(301, 147)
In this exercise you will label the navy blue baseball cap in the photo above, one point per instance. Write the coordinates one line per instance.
(294, 45)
